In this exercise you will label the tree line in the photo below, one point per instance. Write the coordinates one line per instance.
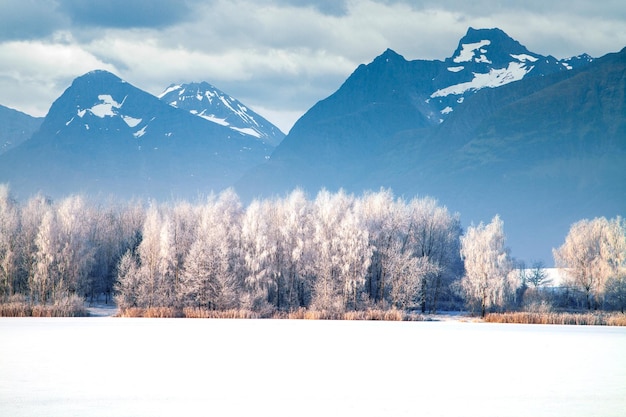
(336, 252)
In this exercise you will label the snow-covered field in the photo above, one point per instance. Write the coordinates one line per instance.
(187, 367)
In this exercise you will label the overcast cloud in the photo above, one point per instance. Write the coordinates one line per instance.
(278, 56)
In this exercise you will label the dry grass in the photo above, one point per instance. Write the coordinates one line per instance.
(300, 314)
(592, 319)
(150, 312)
(202, 313)
(71, 306)
(383, 315)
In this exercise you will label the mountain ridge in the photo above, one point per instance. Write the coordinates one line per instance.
(103, 135)
(499, 149)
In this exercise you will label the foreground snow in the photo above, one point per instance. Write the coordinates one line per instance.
(167, 367)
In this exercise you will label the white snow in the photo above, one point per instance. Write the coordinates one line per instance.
(105, 108)
(455, 69)
(467, 51)
(247, 131)
(482, 59)
(102, 366)
(524, 57)
(131, 121)
(446, 110)
(140, 132)
(212, 118)
(69, 121)
(567, 66)
(460, 100)
(169, 90)
(494, 78)
(81, 113)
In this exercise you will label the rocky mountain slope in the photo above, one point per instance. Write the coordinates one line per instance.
(538, 140)
(104, 136)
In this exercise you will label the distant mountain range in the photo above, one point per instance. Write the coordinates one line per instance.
(210, 103)
(16, 127)
(104, 136)
(493, 129)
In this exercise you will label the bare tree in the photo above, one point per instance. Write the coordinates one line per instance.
(538, 275)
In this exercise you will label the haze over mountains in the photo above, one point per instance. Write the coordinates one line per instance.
(541, 142)
(493, 129)
(16, 127)
(104, 137)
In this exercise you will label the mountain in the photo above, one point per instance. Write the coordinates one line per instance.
(15, 127)
(493, 129)
(104, 136)
(210, 103)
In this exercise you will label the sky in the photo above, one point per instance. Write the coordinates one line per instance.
(279, 57)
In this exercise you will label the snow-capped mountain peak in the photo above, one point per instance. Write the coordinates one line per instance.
(488, 58)
(210, 103)
(102, 97)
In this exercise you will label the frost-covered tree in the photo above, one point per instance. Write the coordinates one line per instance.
(487, 266)
(295, 232)
(593, 252)
(434, 238)
(355, 255)
(75, 235)
(384, 219)
(329, 214)
(211, 274)
(44, 283)
(9, 250)
(128, 287)
(117, 230)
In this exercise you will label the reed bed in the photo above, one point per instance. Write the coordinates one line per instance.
(383, 315)
(201, 313)
(300, 314)
(589, 319)
(71, 306)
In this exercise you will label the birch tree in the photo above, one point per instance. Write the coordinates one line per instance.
(593, 252)
(75, 235)
(487, 266)
(9, 250)
(329, 210)
(434, 237)
(211, 275)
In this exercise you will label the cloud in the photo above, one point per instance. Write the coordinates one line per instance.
(126, 13)
(34, 73)
(29, 19)
(277, 55)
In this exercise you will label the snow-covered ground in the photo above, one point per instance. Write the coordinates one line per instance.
(183, 367)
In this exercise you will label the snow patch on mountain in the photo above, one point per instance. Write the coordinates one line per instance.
(106, 106)
(247, 131)
(109, 107)
(169, 89)
(131, 121)
(468, 51)
(208, 102)
(494, 78)
(140, 132)
(524, 57)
